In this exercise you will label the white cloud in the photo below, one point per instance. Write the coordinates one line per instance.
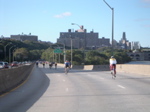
(62, 15)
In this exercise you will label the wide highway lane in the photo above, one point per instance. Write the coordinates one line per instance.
(50, 90)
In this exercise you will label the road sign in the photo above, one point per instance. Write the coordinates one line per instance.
(57, 51)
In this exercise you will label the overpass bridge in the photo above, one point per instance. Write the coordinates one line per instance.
(51, 90)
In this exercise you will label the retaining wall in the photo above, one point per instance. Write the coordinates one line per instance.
(10, 78)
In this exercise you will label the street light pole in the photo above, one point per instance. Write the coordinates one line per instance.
(77, 25)
(71, 47)
(84, 39)
(112, 25)
(10, 53)
(71, 51)
(5, 50)
(59, 53)
(64, 54)
(13, 54)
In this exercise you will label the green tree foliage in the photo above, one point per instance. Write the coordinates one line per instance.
(29, 50)
(122, 57)
(78, 57)
(34, 49)
(35, 54)
(96, 58)
(48, 55)
(21, 54)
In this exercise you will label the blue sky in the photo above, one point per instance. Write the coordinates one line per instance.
(47, 18)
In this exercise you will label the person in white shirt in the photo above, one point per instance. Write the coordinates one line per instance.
(113, 62)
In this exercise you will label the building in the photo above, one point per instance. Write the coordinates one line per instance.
(139, 56)
(135, 45)
(82, 39)
(23, 37)
(124, 43)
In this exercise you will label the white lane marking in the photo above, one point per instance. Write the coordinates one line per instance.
(58, 75)
(121, 86)
(67, 89)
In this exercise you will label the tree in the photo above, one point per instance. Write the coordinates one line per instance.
(96, 58)
(35, 54)
(48, 55)
(21, 54)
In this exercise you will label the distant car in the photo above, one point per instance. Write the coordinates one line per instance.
(14, 64)
(4, 64)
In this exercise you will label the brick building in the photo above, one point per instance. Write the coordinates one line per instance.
(23, 37)
(82, 39)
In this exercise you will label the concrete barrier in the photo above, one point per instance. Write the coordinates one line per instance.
(60, 64)
(88, 67)
(101, 67)
(128, 68)
(10, 78)
(77, 66)
(131, 68)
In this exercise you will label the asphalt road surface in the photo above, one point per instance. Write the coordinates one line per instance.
(50, 90)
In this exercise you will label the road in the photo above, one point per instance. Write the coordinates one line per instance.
(50, 90)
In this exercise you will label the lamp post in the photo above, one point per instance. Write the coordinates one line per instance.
(5, 49)
(71, 51)
(2, 46)
(84, 38)
(13, 53)
(112, 25)
(64, 53)
(71, 47)
(59, 53)
(10, 53)
(77, 25)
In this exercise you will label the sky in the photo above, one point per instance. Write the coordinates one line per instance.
(47, 18)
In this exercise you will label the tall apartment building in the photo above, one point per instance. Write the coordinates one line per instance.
(23, 37)
(82, 39)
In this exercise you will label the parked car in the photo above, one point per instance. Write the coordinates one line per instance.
(4, 64)
(14, 64)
